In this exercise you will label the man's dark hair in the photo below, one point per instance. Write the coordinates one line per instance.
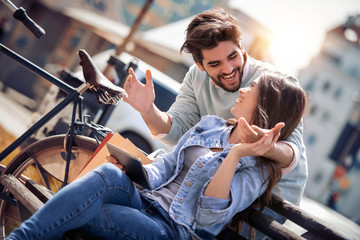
(209, 28)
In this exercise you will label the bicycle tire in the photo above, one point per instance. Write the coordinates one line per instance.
(44, 162)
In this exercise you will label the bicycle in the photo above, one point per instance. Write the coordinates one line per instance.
(56, 160)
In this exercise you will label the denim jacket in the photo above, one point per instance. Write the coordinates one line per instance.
(205, 216)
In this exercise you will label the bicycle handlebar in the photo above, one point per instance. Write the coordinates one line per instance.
(20, 14)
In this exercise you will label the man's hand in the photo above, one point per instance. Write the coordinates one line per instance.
(139, 96)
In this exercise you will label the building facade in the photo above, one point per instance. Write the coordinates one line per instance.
(332, 124)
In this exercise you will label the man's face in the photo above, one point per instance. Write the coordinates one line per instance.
(224, 65)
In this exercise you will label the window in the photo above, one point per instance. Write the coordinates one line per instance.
(326, 86)
(309, 87)
(311, 140)
(333, 58)
(354, 72)
(313, 110)
(338, 93)
(318, 177)
(325, 117)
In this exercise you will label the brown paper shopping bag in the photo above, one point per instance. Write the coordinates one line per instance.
(99, 156)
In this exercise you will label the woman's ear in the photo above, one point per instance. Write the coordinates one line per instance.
(200, 66)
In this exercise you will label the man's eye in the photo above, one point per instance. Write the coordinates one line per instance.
(233, 56)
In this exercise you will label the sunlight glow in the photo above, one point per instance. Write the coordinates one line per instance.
(292, 48)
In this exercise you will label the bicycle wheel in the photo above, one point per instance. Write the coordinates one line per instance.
(44, 162)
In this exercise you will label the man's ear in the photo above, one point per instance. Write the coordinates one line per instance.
(200, 66)
(242, 48)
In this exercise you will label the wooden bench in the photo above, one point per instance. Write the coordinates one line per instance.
(31, 196)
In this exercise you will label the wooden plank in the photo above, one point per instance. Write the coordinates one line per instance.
(304, 219)
(229, 234)
(2, 167)
(39, 190)
(270, 227)
(21, 193)
(31, 200)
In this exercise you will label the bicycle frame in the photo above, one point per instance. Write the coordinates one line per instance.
(74, 95)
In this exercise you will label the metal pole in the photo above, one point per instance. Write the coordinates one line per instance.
(133, 29)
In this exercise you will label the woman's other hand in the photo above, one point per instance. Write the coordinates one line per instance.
(113, 160)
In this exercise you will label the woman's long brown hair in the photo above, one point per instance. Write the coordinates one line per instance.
(281, 99)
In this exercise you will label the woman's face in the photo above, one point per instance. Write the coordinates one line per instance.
(247, 102)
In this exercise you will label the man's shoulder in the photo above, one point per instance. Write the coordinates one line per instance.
(196, 81)
(195, 75)
(258, 66)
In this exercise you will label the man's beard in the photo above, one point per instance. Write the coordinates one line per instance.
(220, 84)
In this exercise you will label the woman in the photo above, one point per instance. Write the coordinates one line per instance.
(198, 188)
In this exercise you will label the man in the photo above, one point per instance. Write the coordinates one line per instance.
(210, 87)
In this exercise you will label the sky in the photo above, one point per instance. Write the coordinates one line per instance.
(299, 26)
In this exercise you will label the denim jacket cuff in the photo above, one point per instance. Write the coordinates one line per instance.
(214, 203)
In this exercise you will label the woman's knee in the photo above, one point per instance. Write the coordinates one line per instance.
(111, 174)
(109, 169)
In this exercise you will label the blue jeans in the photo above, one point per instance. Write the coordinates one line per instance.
(103, 204)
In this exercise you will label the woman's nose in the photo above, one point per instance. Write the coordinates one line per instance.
(242, 90)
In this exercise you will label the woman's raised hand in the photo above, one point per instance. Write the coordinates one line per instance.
(253, 133)
(256, 141)
(257, 148)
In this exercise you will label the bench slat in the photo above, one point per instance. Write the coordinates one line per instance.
(304, 219)
(21, 193)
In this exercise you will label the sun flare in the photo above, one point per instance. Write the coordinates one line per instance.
(291, 48)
